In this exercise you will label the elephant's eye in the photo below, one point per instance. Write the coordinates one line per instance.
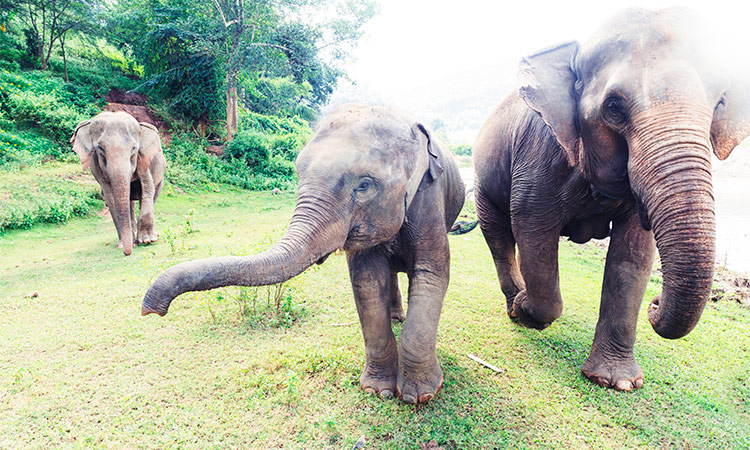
(614, 111)
(364, 185)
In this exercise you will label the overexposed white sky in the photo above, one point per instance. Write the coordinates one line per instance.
(417, 41)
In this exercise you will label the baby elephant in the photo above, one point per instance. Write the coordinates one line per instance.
(126, 159)
(376, 184)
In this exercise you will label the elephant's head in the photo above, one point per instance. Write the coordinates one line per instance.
(639, 108)
(357, 178)
(117, 147)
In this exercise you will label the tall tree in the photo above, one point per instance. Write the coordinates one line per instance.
(48, 21)
(222, 39)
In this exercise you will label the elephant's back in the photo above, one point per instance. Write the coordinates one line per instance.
(494, 147)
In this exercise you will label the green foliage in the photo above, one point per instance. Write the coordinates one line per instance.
(280, 54)
(20, 148)
(281, 96)
(45, 102)
(461, 150)
(251, 148)
(44, 200)
(191, 167)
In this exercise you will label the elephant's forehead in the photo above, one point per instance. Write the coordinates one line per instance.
(352, 151)
(640, 34)
(114, 125)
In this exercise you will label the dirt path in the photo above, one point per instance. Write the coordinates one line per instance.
(135, 105)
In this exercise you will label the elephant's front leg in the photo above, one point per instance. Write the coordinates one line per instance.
(540, 303)
(630, 259)
(371, 281)
(420, 376)
(146, 232)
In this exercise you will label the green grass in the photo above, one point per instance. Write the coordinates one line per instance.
(80, 368)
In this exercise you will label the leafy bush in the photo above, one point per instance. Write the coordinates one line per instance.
(41, 100)
(250, 147)
(50, 200)
(188, 165)
(20, 148)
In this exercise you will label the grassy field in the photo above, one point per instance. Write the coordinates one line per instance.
(80, 368)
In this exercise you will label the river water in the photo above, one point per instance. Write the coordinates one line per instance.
(732, 220)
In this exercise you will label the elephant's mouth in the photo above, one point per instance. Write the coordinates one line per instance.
(323, 259)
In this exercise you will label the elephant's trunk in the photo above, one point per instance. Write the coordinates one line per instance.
(670, 173)
(121, 192)
(314, 232)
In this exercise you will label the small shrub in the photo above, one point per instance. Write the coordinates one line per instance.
(251, 147)
(51, 200)
(462, 150)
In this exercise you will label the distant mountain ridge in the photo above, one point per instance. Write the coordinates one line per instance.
(461, 100)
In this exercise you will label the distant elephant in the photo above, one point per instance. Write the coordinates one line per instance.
(612, 138)
(127, 160)
(377, 184)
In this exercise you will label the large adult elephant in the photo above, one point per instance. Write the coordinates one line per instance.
(611, 138)
(377, 184)
(126, 158)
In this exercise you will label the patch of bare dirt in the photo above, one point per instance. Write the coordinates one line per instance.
(432, 445)
(729, 286)
(128, 98)
(217, 150)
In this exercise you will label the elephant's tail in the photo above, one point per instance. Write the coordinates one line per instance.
(463, 227)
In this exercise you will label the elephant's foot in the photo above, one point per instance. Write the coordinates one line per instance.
(521, 310)
(421, 384)
(621, 374)
(509, 301)
(397, 314)
(146, 237)
(379, 379)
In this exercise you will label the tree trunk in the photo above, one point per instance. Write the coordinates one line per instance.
(231, 106)
(65, 61)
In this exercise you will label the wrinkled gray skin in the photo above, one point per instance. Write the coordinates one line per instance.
(617, 132)
(127, 160)
(375, 183)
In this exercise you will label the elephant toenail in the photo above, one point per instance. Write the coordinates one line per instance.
(369, 390)
(408, 398)
(639, 383)
(624, 385)
(424, 398)
(386, 393)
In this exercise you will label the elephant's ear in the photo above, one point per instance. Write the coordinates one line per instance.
(548, 86)
(731, 122)
(427, 167)
(82, 144)
(434, 165)
(150, 146)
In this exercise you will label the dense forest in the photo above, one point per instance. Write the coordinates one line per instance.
(232, 85)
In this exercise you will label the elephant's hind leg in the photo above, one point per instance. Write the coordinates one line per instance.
(497, 233)
(396, 307)
(371, 282)
(630, 258)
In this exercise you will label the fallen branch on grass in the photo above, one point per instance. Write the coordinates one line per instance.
(485, 363)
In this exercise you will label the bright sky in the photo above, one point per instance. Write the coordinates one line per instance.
(413, 41)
